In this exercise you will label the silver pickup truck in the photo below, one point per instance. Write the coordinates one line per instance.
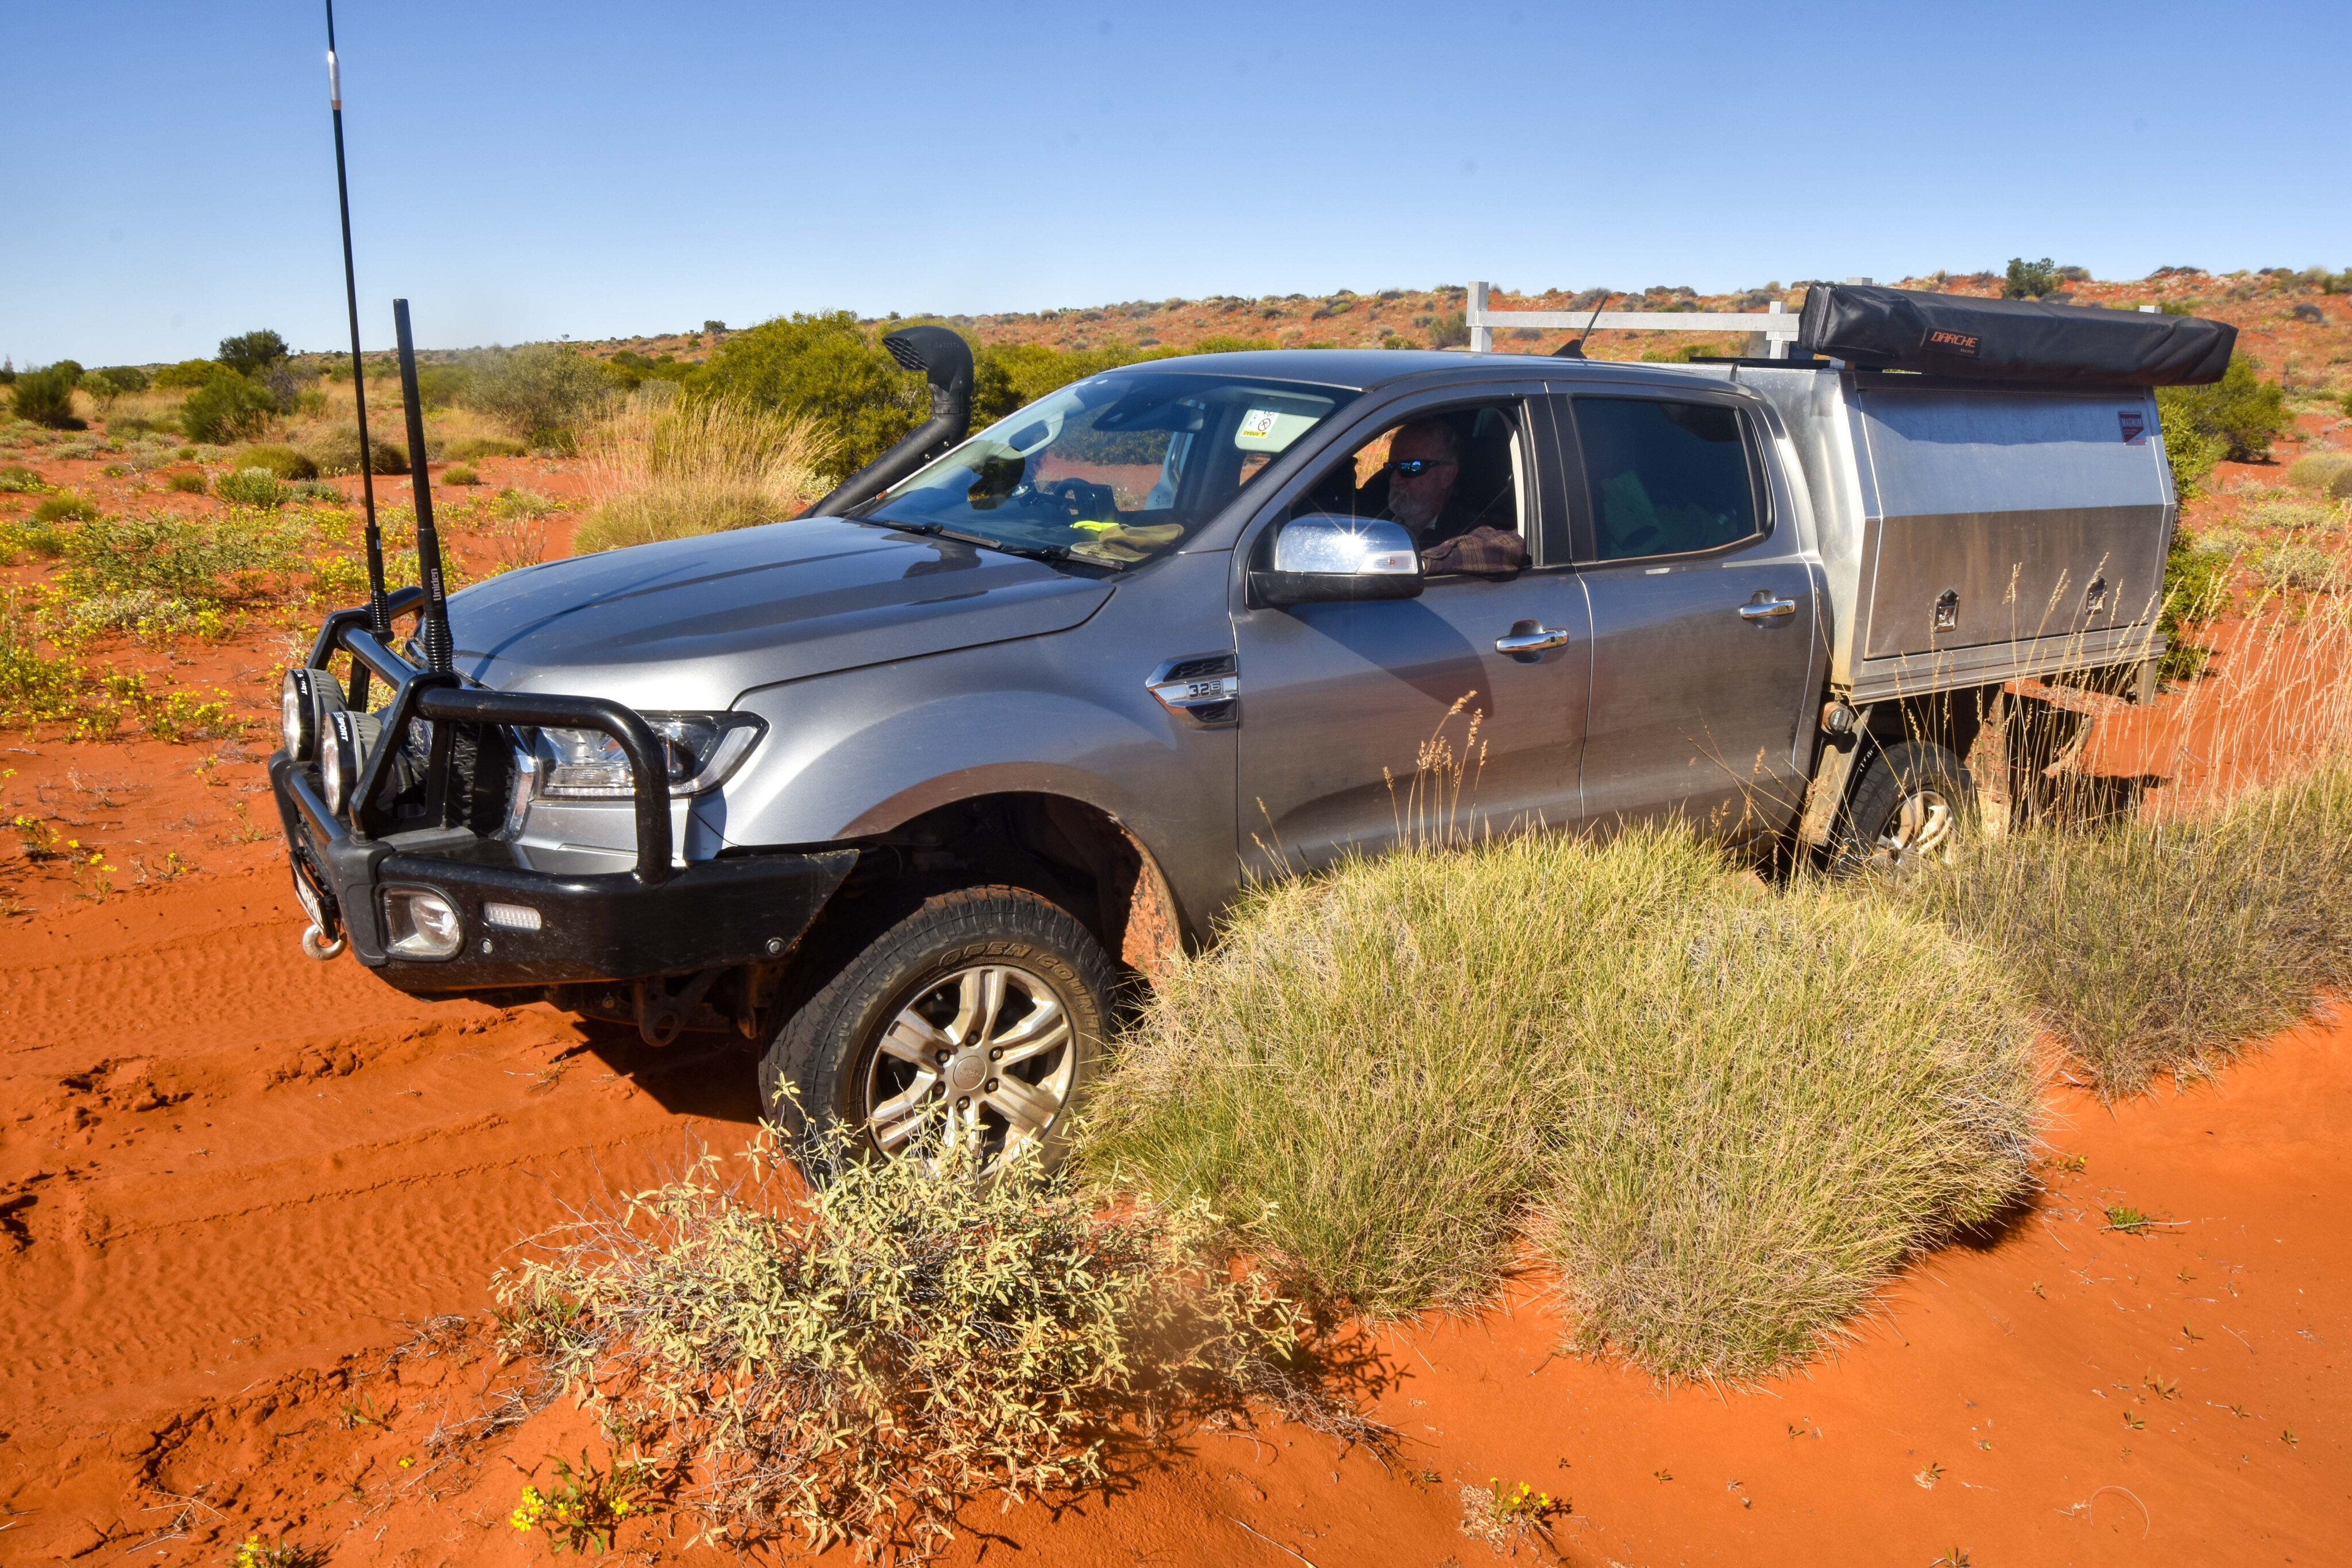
(910, 788)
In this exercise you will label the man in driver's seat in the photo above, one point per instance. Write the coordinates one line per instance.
(1424, 467)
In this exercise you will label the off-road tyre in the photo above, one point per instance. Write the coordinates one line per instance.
(824, 1050)
(1921, 776)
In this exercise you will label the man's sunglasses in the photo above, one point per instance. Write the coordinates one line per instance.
(1415, 467)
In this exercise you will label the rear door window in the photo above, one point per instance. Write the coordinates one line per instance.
(1664, 479)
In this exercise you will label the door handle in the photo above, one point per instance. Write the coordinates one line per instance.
(1762, 608)
(1536, 639)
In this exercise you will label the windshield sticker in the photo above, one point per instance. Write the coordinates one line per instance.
(1272, 429)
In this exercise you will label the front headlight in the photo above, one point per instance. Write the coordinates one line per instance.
(702, 749)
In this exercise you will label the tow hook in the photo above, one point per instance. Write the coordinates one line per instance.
(317, 945)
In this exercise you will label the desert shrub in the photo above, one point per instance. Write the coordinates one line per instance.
(45, 540)
(227, 408)
(253, 353)
(72, 506)
(698, 465)
(205, 561)
(854, 1368)
(442, 386)
(827, 370)
(282, 460)
(1226, 343)
(539, 390)
(2165, 945)
(2241, 411)
(188, 374)
(2330, 473)
(1726, 1111)
(2298, 514)
(45, 396)
(337, 452)
(1451, 330)
(2030, 279)
(473, 448)
(633, 369)
(35, 687)
(315, 490)
(112, 383)
(186, 484)
(254, 487)
(2301, 566)
(15, 479)
(459, 474)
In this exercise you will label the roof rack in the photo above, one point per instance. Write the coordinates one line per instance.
(1777, 327)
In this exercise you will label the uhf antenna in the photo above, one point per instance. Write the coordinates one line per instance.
(435, 629)
(379, 608)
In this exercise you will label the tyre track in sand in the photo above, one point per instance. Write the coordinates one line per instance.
(221, 1161)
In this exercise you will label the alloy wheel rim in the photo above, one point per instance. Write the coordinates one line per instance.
(985, 1053)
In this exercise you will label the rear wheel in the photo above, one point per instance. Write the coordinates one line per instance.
(980, 1017)
(1908, 809)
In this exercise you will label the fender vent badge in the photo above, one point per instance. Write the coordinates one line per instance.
(1205, 689)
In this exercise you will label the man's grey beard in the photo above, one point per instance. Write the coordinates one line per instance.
(1414, 511)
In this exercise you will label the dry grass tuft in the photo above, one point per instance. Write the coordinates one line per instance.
(853, 1367)
(668, 467)
(2165, 945)
(1726, 1112)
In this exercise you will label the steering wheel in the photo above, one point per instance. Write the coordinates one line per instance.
(1084, 499)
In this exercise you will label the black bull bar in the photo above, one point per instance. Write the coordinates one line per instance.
(655, 918)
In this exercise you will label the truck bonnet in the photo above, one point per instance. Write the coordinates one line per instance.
(692, 623)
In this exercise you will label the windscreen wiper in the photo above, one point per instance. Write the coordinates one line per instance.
(1033, 552)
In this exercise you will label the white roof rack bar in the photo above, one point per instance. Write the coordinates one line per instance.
(1777, 324)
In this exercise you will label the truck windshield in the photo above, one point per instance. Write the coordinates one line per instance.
(1114, 469)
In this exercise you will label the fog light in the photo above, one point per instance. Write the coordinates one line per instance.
(344, 742)
(420, 924)
(304, 702)
(510, 916)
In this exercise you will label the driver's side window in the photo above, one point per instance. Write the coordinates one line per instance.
(1454, 479)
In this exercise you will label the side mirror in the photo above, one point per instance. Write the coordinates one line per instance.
(1320, 559)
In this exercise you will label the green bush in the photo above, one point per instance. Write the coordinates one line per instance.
(70, 507)
(42, 537)
(188, 373)
(1451, 330)
(2031, 279)
(1225, 343)
(18, 480)
(254, 487)
(459, 474)
(825, 367)
(442, 386)
(2240, 410)
(1728, 1111)
(2196, 590)
(252, 353)
(227, 408)
(114, 381)
(186, 484)
(45, 396)
(541, 391)
(282, 460)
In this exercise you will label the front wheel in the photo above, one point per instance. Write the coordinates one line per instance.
(980, 1015)
(1908, 809)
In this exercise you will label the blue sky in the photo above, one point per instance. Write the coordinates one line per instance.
(530, 170)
